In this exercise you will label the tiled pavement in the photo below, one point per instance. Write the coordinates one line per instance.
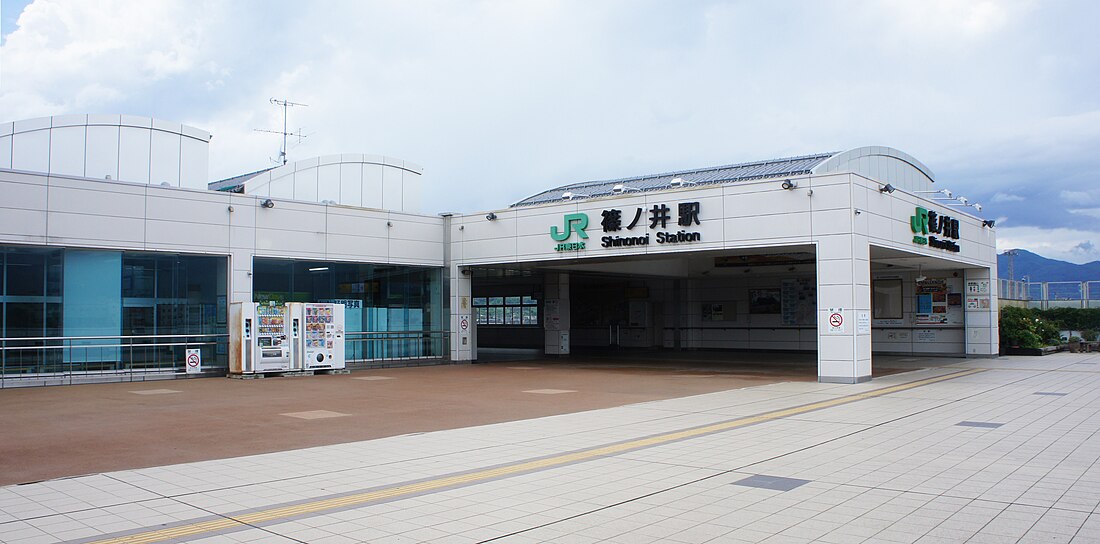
(990, 456)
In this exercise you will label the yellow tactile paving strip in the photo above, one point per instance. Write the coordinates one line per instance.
(359, 499)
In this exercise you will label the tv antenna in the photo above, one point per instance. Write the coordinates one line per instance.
(285, 104)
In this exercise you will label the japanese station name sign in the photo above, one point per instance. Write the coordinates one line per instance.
(925, 223)
(627, 231)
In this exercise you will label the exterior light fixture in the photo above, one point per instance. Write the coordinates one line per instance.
(945, 192)
(491, 216)
(319, 269)
(680, 182)
(621, 188)
(569, 195)
(268, 203)
(789, 185)
(887, 188)
(963, 200)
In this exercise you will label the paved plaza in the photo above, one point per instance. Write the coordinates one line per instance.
(1001, 450)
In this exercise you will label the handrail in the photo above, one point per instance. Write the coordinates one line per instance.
(28, 338)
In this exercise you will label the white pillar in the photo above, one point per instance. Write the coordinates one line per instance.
(462, 318)
(843, 309)
(980, 304)
(556, 313)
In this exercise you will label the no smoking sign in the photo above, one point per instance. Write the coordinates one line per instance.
(836, 320)
(193, 361)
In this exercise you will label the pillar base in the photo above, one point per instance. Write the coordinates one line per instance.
(843, 379)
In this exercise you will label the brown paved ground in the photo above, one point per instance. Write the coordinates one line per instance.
(51, 432)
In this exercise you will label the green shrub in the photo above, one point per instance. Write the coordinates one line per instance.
(1072, 319)
(1089, 335)
(1024, 328)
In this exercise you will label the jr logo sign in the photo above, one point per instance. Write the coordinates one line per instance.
(919, 221)
(925, 223)
(574, 222)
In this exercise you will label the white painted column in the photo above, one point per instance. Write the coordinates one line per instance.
(843, 309)
(980, 304)
(556, 313)
(462, 319)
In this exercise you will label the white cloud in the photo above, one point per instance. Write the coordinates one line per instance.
(68, 57)
(1086, 197)
(1091, 212)
(1006, 197)
(1073, 245)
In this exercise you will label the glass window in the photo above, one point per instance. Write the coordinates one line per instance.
(26, 273)
(377, 299)
(479, 301)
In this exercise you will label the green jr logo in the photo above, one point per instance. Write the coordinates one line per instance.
(574, 222)
(919, 222)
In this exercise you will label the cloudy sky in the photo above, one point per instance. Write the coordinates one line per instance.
(500, 100)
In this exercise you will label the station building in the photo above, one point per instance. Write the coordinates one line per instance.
(117, 253)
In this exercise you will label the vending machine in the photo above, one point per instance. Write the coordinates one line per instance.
(320, 345)
(260, 338)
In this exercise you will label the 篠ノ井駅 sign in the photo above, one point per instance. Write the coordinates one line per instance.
(659, 216)
(926, 223)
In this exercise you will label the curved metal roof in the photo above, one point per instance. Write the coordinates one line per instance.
(774, 168)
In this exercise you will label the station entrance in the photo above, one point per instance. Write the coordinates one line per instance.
(741, 309)
(650, 308)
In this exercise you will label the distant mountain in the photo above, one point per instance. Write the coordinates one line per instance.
(1039, 268)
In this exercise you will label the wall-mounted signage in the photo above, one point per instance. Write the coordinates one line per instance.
(925, 223)
(612, 221)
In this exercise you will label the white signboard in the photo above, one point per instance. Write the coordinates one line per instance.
(835, 321)
(193, 361)
(863, 322)
(926, 336)
(553, 315)
(977, 287)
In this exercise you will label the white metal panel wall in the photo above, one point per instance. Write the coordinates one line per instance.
(164, 158)
(368, 181)
(124, 147)
(101, 152)
(67, 151)
(79, 212)
(31, 151)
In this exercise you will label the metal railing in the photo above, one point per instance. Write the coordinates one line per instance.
(366, 347)
(1052, 294)
(82, 359)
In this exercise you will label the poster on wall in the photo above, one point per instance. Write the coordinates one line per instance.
(937, 304)
(977, 287)
(553, 314)
(799, 302)
(764, 301)
(719, 311)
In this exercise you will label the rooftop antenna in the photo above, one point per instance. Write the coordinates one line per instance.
(285, 104)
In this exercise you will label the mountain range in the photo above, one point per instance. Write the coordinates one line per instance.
(1038, 268)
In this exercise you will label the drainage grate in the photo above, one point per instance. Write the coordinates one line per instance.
(775, 483)
(981, 424)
